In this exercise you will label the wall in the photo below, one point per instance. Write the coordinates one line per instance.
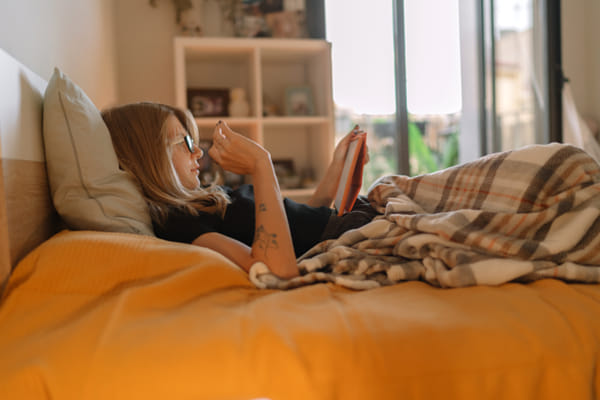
(594, 55)
(120, 51)
(580, 53)
(145, 51)
(77, 36)
(144, 46)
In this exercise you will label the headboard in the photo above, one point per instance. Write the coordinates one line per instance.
(27, 216)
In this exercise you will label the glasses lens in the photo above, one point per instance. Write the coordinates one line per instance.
(189, 142)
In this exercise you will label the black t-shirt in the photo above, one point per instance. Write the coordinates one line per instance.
(306, 223)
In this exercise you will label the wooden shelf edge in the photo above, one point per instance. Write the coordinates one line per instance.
(228, 44)
(267, 121)
(310, 120)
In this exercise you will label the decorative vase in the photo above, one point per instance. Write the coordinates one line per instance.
(238, 106)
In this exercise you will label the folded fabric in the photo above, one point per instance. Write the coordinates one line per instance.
(523, 215)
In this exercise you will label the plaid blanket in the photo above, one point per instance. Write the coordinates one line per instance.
(519, 215)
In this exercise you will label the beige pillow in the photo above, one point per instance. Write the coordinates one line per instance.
(88, 189)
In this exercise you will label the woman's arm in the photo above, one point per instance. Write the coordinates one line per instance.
(233, 249)
(325, 191)
(272, 238)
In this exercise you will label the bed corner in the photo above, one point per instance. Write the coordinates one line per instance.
(24, 224)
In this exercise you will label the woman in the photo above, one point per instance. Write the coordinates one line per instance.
(156, 144)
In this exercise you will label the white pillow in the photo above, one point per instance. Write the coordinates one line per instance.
(88, 189)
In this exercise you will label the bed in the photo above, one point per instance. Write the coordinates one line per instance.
(88, 314)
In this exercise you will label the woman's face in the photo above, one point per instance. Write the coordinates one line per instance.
(184, 161)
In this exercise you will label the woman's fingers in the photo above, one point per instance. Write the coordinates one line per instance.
(217, 149)
(218, 135)
(229, 150)
(226, 133)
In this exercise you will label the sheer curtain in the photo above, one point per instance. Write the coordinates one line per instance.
(575, 129)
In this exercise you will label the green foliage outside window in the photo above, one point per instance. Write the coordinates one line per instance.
(423, 159)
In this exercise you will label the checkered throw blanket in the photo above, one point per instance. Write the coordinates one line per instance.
(518, 215)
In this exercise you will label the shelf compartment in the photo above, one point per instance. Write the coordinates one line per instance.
(285, 121)
(308, 146)
(265, 68)
(217, 64)
(280, 71)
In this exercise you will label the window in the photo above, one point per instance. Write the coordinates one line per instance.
(361, 33)
(522, 74)
(437, 88)
(364, 81)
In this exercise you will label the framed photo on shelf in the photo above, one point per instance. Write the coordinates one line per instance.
(208, 102)
(298, 101)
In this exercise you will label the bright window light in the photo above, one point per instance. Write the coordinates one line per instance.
(362, 37)
(433, 81)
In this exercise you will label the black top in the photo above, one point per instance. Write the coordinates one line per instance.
(306, 223)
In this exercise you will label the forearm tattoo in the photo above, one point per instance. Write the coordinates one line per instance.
(264, 239)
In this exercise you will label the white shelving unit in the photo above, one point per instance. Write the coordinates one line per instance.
(265, 68)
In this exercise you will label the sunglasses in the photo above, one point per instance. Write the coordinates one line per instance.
(189, 142)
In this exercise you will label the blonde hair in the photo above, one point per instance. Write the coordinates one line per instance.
(140, 140)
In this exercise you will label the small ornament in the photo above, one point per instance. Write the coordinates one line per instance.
(238, 106)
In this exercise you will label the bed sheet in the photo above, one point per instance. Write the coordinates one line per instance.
(92, 315)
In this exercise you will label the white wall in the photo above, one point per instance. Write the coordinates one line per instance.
(75, 35)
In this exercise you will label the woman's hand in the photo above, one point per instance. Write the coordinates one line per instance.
(235, 152)
(339, 154)
(325, 192)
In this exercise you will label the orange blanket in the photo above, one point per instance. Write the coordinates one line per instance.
(92, 315)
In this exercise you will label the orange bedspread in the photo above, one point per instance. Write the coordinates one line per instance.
(115, 316)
